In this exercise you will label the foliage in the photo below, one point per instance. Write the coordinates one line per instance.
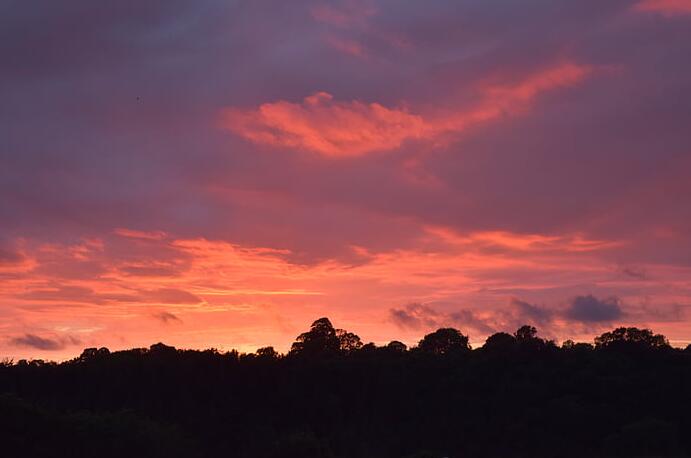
(332, 397)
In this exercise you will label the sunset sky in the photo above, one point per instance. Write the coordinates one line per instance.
(221, 173)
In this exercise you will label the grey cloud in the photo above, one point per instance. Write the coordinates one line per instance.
(530, 313)
(469, 319)
(634, 272)
(167, 317)
(43, 343)
(589, 309)
(415, 316)
(418, 316)
(75, 294)
(9, 257)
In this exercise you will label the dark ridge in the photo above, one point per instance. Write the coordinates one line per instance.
(626, 395)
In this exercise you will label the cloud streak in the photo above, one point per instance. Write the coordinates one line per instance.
(43, 343)
(664, 7)
(335, 129)
(167, 317)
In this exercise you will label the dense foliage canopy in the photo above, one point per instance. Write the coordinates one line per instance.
(331, 396)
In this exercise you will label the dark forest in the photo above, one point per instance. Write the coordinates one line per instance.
(518, 395)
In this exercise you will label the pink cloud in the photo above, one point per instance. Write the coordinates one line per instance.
(323, 125)
(130, 233)
(347, 46)
(664, 7)
(332, 128)
(346, 15)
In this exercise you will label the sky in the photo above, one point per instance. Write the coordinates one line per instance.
(219, 174)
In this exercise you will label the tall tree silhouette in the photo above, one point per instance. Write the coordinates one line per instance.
(324, 339)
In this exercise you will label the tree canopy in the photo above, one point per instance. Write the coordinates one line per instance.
(333, 397)
(631, 338)
(444, 341)
(322, 340)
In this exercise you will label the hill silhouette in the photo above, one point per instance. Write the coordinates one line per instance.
(626, 395)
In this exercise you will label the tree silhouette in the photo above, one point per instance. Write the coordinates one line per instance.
(347, 341)
(397, 346)
(323, 339)
(332, 397)
(93, 353)
(632, 339)
(319, 340)
(525, 333)
(267, 353)
(499, 342)
(444, 341)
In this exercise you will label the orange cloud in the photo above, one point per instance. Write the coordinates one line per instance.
(325, 126)
(664, 7)
(334, 128)
(130, 233)
(522, 242)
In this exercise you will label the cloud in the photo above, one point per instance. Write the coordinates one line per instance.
(325, 126)
(416, 316)
(532, 314)
(10, 257)
(346, 15)
(664, 7)
(154, 270)
(634, 272)
(43, 343)
(171, 296)
(61, 293)
(347, 46)
(589, 309)
(167, 317)
(547, 151)
(586, 310)
(333, 128)
(130, 233)
(507, 241)
(472, 319)
(76, 294)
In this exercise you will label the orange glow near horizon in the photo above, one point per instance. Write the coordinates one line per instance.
(205, 293)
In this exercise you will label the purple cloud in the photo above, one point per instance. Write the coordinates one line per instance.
(589, 309)
(43, 343)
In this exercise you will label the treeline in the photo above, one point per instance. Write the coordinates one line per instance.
(626, 395)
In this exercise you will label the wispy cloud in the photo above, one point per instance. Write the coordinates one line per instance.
(134, 234)
(347, 14)
(43, 343)
(167, 317)
(333, 128)
(9, 256)
(664, 7)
